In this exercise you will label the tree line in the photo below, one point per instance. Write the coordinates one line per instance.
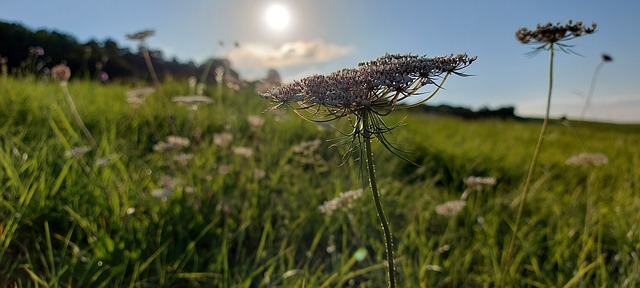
(24, 52)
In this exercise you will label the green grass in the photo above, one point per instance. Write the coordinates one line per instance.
(68, 223)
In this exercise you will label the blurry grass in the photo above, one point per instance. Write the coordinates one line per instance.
(67, 222)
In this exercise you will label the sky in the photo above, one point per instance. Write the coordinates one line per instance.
(324, 36)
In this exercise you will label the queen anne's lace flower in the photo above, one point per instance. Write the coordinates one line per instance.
(588, 160)
(548, 33)
(368, 92)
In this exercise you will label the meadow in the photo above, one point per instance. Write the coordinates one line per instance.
(228, 194)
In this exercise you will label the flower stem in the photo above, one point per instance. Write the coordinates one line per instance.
(76, 116)
(587, 102)
(527, 185)
(147, 59)
(376, 199)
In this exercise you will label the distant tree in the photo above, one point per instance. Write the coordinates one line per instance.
(87, 60)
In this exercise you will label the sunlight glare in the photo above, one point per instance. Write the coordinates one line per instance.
(277, 17)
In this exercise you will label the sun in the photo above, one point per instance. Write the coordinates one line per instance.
(277, 16)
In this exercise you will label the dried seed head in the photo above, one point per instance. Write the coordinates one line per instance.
(548, 33)
(142, 35)
(380, 83)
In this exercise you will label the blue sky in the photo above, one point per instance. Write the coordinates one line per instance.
(324, 36)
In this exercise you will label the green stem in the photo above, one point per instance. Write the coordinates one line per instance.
(376, 199)
(534, 162)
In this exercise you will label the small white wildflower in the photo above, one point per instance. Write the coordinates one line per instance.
(308, 147)
(259, 173)
(171, 143)
(192, 100)
(183, 158)
(131, 210)
(135, 101)
(243, 151)
(474, 181)
(102, 162)
(222, 139)
(162, 146)
(451, 208)
(140, 93)
(223, 169)
(178, 141)
(344, 200)
(162, 193)
(77, 151)
(255, 122)
(588, 160)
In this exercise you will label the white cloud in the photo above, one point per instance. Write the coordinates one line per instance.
(260, 56)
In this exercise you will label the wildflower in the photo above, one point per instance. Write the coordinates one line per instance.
(307, 147)
(142, 35)
(451, 208)
(223, 169)
(222, 140)
(38, 51)
(140, 92)
(135, 101)
(183, 158)
(191, 81)
(162, 193)
(77, 152)
(344, 200)
(171, 143)
(102, 162)
(474, 181)
(162, 146)
(369, 92)
(193, 100)
(136, 97)
(255, 122)
(588, 160)
(61, 73)
(178, 141)
(104, 76)
(548, 34)
(243, 151)
(259, 173)
(365, 95)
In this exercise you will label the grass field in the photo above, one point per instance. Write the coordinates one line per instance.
(238, 205)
